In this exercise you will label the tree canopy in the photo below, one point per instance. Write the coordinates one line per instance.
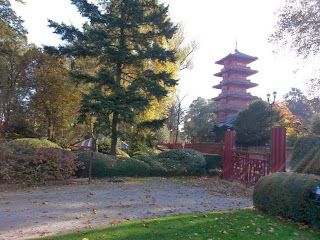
(298, 26)
(199, 119)
(253, 124)
(127, 37)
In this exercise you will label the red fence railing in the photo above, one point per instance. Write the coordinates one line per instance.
(248, 167)
(209, 148)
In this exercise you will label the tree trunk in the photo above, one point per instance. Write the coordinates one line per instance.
(114, 133)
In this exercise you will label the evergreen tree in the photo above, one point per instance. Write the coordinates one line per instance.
(128, 37)
(253, 124)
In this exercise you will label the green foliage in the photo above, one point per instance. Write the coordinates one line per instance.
(134, 36)
(22, 163)
(253, 124)
(182, 162)
(213, 161)
(306, 155)
(105, 148)
(299, 105)
(199, 119)
(110, 166)
(145, 152)
(315, 124)
(287, 194)
(35, 143)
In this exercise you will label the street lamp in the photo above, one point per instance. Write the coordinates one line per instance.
(271, 102)
(274, 98)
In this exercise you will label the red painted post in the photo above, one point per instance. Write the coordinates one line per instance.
(278, 150)
(227, 156)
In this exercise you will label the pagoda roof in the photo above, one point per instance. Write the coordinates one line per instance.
(235, 95)
(244, 70)
(228, 122)
(245, 83)
(238, 55)
(232, 108)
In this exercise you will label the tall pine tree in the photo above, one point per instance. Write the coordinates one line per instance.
(127, 37)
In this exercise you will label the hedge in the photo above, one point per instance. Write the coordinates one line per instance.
(35, 143)
(110, 166)
(213, 161)
(287, 194)
(182, 162)
(306, 155)
(22, 163)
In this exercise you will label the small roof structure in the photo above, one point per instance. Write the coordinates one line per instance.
(228, 122)
(238, 55)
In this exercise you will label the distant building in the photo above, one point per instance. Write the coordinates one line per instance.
(234, 96)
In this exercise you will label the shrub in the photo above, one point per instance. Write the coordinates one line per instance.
(145, 152)
(35, 143)
(53, 164)
(287, 194)
(22, 163)
(104, 146)
(306, 155)
(6, 170)
(109, 166)
(213, 161)
(182, 162)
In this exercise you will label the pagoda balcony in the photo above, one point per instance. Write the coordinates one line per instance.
(245, 83)
(230, 108)
(246, 96)
(243, 70)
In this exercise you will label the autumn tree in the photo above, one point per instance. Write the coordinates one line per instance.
(54, 100)
(127, 37)
(199, 119)
(12, 65)
(292, 123)
(299, 105)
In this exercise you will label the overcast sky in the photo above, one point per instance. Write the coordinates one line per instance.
(215, 24)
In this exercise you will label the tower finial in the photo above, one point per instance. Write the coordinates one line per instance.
(236, 45)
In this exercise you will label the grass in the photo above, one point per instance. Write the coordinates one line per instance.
(239, 224)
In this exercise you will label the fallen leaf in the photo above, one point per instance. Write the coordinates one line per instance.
(224, 232)
(271, 230)
(258, 231)
(113, 222)
(7, 209)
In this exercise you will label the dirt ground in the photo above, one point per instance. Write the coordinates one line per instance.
(42, 211)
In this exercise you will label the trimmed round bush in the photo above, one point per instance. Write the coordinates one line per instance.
(182, 162)
(306, 155)
(213, 161)
(35, 143)
(287, 194)
(109, 166)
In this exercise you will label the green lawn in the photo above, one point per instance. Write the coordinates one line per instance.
(240, 224)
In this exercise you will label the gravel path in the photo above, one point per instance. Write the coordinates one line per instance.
(28, 213)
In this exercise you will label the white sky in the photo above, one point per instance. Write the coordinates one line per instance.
(215, 24)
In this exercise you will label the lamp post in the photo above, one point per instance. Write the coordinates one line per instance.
(271, 102)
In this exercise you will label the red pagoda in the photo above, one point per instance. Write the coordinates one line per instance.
(234, 84)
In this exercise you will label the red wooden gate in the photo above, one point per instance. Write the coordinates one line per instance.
(248, 167)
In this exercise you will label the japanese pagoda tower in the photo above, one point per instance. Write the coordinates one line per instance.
(234, 96)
